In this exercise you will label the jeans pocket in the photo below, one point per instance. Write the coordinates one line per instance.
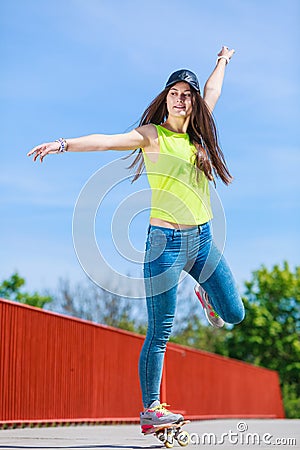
(158, 238)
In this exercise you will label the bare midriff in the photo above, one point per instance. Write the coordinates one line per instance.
(163, 223)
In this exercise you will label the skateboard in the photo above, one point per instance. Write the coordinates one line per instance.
(168, 433)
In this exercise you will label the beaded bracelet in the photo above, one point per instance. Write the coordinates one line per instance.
(224, 57)
(63, 145)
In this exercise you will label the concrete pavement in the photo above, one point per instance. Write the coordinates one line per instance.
(213, 434)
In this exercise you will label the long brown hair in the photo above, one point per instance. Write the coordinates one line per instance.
(202, 133)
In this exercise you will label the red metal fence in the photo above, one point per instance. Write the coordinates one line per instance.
(61, 369)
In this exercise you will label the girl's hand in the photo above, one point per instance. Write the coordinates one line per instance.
(40, 151)
(226, 52)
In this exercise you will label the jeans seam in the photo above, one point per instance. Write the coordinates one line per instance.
(153, 334)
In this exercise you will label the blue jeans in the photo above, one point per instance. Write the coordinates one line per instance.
(168, 253)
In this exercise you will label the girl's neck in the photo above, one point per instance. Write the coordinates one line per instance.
(178, 126)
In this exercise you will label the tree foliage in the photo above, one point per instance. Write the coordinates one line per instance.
(269, 336)
(12, 289)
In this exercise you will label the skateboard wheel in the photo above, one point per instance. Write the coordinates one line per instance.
(183, 438)
(169, 442)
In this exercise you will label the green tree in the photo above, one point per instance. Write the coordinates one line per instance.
(269, 336)
(11, 289)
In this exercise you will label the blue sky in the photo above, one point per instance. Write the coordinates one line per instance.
(77, 67)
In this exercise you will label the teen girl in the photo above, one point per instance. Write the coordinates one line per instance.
(177, 143)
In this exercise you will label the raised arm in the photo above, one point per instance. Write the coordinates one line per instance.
(213, 86)
(96, 142)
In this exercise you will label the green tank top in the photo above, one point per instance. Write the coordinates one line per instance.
(178, 195)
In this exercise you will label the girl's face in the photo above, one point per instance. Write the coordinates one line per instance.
(179, 100)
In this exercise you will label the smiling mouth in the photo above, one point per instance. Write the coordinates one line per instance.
(179, 107)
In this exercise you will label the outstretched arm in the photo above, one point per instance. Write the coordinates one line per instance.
(213, 86)
(137, 138)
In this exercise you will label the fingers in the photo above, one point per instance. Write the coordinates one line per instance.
(226, 52)
(40, 151)
(40, 154)
(33, 150)
(225, 49)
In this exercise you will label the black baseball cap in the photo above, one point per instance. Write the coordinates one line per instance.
(184, 75)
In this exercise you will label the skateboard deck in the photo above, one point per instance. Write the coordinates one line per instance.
(168, 433)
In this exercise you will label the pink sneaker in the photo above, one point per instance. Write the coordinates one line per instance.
(213, 318)
(157, 414)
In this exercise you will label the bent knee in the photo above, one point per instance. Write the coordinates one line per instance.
(235, 316)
